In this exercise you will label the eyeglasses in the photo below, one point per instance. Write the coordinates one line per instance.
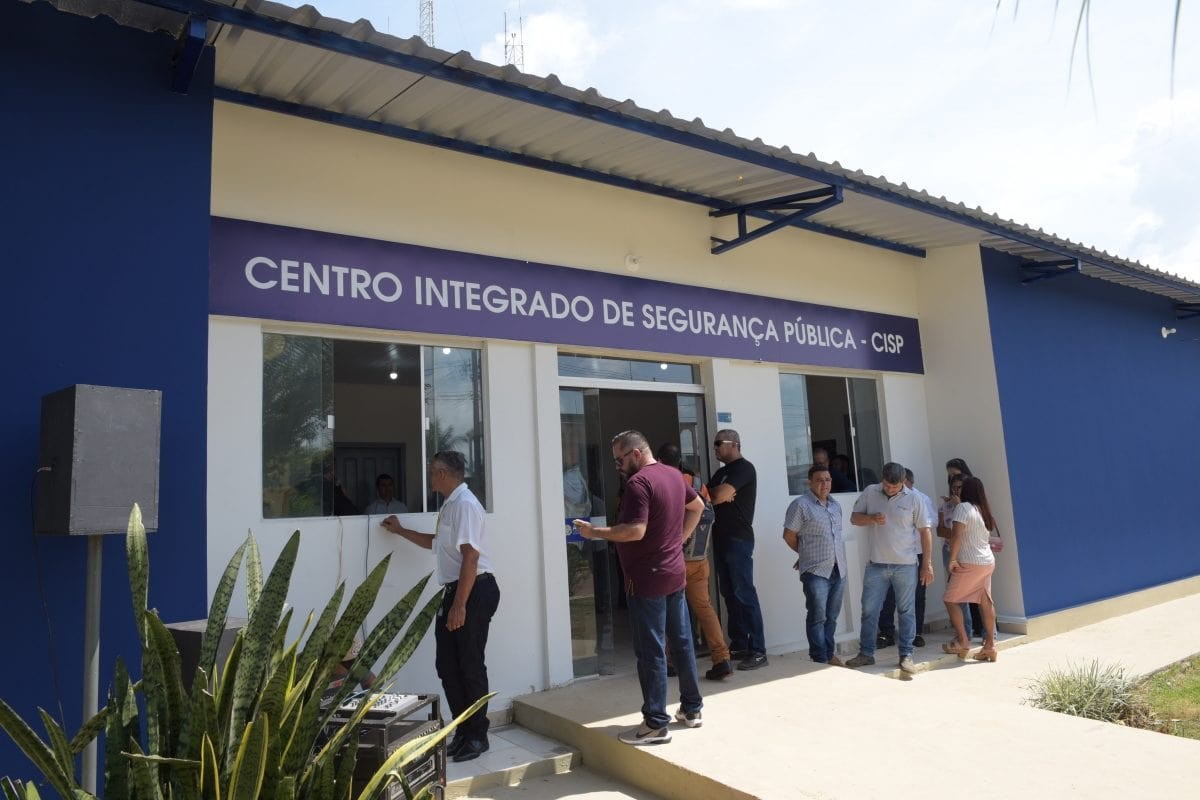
(719, 442)
(619, 460)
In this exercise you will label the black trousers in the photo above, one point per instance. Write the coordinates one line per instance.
(460, 661)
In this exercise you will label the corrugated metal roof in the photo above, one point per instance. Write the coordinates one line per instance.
(271, 52)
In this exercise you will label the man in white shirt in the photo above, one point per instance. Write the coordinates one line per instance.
(887, 617)
(898, 542)
(470, 596)
(386, 502)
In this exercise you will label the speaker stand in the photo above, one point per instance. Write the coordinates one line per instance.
(91, 654)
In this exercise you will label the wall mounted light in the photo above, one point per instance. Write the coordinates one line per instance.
(633, 263)
(393, 374)
(1167, 331)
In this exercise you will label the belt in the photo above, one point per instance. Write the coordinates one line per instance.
(481, 576)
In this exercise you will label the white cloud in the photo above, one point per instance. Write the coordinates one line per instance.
(559, 42)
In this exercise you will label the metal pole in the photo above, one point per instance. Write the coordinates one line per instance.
(91, 655)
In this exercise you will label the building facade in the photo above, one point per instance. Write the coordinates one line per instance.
(325, 295)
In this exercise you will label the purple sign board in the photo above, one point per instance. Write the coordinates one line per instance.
(273, 272)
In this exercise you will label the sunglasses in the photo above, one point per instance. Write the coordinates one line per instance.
(619, 460)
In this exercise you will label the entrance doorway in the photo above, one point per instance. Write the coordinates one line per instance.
(590, 418)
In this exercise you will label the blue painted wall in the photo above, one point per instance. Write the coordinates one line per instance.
(1102, 428)
(106, 191)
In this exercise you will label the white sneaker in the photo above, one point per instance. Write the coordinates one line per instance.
(692, 720)
(644, 734)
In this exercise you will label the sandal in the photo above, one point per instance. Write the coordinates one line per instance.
(986, 655)
(954, 649)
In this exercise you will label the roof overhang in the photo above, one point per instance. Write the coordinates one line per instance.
(297, 62)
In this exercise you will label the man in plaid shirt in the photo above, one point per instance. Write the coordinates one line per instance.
(813, 528)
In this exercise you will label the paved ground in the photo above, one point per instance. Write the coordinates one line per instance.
(800, 730)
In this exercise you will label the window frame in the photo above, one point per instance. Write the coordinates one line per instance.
(845, 376)
(375, 336)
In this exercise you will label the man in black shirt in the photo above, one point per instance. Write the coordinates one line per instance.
(733, 488)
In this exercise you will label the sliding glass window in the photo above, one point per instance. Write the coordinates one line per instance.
(349, 426)
(840, 416)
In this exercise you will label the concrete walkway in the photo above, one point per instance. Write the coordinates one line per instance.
(800, 730)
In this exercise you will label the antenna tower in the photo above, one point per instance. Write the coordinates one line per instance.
(514, 43)
(426, 11)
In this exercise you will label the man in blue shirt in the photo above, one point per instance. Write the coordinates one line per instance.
(898, 539)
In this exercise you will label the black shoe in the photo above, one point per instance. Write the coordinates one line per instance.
(739, 655)
(720, 672)
(471, 749)
(753, 661)
(918, 641)
(884, 640)
(455, 745)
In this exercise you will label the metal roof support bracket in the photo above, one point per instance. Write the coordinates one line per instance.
(801, 205)
(187, 54)
(1034, 271)
(1187, 310)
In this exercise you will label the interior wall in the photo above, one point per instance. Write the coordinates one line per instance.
(1092, 390)
(391, 415)
(106, 248)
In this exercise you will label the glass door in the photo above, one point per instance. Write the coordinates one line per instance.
(590, 417)
(591, 579)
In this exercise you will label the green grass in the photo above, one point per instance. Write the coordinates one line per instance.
(1173, 696)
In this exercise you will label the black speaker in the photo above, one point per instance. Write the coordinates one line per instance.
(188, 636)
(99, 456)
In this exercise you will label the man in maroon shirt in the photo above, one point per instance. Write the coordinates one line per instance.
(658, 512)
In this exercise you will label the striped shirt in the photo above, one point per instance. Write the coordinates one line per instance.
(819, 540)
(973, 549)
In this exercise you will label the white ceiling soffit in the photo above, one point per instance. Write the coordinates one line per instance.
(590, 134)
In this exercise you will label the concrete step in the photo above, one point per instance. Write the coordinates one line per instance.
(577, 784)
(516, 756)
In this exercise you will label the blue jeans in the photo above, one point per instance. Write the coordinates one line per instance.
(876, 579)
(657, 621)
(734, 560)
(823, 597)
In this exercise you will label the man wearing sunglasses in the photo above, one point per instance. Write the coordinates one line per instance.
(658, 512)
(733, 489)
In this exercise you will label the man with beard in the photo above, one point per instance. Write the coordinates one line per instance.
(658, 511)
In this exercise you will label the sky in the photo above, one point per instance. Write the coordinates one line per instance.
(972, 100)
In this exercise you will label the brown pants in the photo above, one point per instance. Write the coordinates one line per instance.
(701, 606)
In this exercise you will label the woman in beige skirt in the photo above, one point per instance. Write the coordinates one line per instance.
(971, 567)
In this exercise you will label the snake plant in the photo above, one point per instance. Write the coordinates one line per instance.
(251, 728)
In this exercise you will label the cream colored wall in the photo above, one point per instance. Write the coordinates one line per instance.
(288, 171)
(273, 168)
(962, 399)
